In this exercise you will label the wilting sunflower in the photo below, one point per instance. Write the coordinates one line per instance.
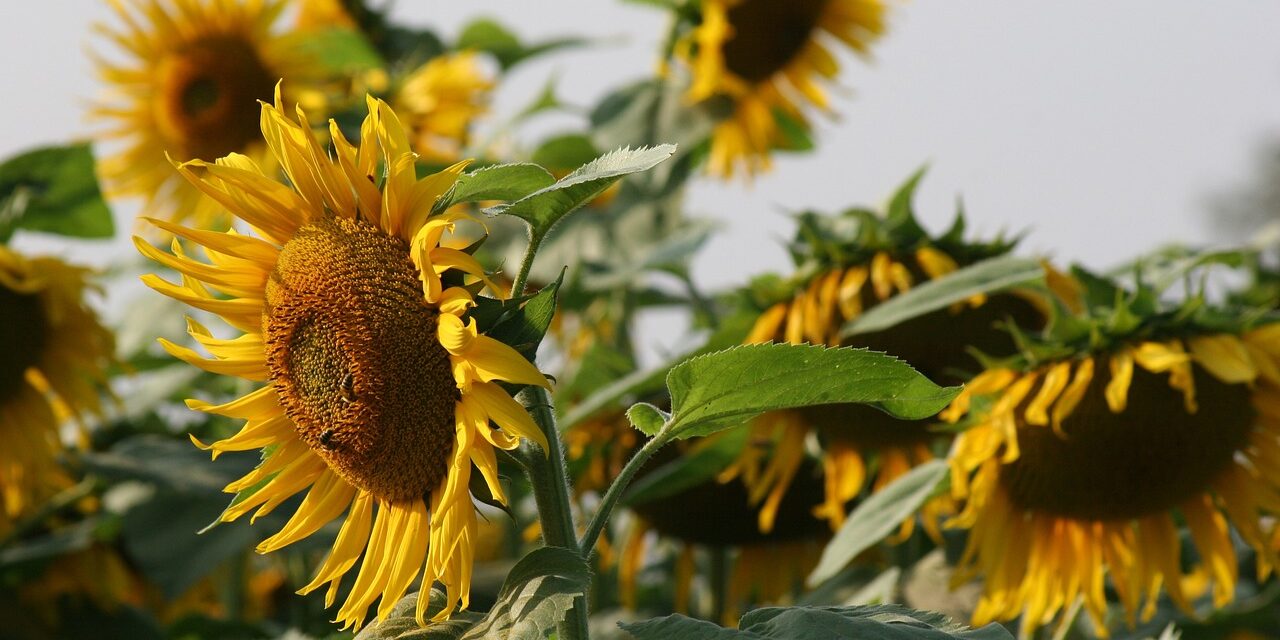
(855, 268)
(767, 57)
(440, 100)
(381, 391)
(1081, 467)
(186, 87)
(707, 518)
(714, 517)
(54, 354)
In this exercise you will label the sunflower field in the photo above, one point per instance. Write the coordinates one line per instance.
(396, 347)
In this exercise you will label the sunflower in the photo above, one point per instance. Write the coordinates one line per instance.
(854, 437)
(766, 57)
(439, 100)
(54, 355)
(1081, 466)
(717, 518)
(323, 14)
(187, 86)
(381, 391)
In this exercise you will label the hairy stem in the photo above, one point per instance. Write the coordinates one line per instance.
(549, 477)
(619, 486)
(526, 264)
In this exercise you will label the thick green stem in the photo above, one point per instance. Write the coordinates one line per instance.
(619, 486)
(526, 264)
(549, 477)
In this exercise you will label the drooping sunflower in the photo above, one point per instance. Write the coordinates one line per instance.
(855, 262)
(380, 390)
(1079, 467)
(440, 100)
(186, 86)
(717, 518)
(707, 519)
(768, 58)
(54, 355)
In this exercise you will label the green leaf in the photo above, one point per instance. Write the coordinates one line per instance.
(334, 51)
(524, 326)
(506, 182)
(794, 132)
(54, 190)
(564, 152)
(536, 595)
(879, 622)
(987, 276)
(402, 622)
(687, 471)
(900, 218)
(647, 418)
(487, 35)
(878, 516)
(685, 628)
(716, 391)
(160, 532)
(174, 464)
(59, 542)
(671, 253)
(545, 207)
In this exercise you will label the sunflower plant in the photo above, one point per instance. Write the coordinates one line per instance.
(398, 380)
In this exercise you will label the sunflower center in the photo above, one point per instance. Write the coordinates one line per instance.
(209, 101)
(1146, 459)
(354, 356)
(768, 34)
(22, 337)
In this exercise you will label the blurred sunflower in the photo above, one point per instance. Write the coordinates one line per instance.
(54, 355)
(766, 57)
(718, 518)
(188, 87)
(322, 14)
(710, 517)
(381, 392)
(1082, 465)
(855, 267)
(440, 100)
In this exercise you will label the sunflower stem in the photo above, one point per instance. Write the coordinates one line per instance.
(549, 476)
(526, 263)
(619, 486)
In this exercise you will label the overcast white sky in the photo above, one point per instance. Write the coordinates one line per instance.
(1100, 126)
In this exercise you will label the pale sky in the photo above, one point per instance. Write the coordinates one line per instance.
(1102, 127)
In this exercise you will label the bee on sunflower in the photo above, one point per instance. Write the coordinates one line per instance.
(379, 390)
(769, 59)
(1086, 450)
(54, 357)
(186, 85)
(846, 265)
